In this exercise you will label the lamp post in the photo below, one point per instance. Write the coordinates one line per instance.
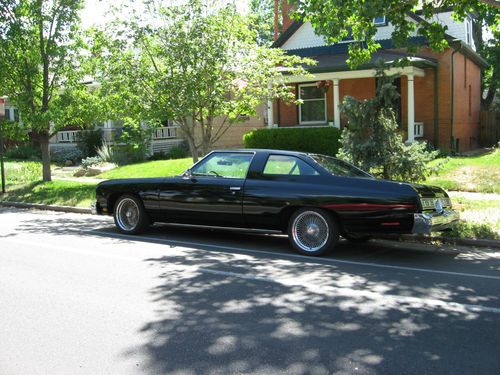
(2, 116)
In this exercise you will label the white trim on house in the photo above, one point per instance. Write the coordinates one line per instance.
(311, 100)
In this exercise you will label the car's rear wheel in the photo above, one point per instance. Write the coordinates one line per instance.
(312, 231)
(130, 215)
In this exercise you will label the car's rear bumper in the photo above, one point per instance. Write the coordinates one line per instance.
(435, 222)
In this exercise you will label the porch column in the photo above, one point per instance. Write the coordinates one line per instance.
(336, 102)
(270, 108)
(411, 109)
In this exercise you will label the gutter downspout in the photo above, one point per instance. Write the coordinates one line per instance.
(436, 108)
(452, 105)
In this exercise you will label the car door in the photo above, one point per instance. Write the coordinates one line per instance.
(211, 193)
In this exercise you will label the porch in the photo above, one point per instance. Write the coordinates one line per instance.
(162, 140)
(320, 105)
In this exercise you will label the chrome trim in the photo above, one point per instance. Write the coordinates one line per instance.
(425, 223)
(310, 231)
(93, 208)
(235, 229)
(235, 188)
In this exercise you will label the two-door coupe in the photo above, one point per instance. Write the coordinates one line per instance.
(312, 198)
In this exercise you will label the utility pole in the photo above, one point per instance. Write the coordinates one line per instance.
(2, 117)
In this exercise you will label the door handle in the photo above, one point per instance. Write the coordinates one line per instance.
(235, 188)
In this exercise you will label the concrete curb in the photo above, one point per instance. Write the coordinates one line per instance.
(410, 238)
(78, 210)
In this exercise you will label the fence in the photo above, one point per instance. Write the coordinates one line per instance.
(489, 128)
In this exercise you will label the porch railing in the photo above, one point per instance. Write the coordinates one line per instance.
(67, 136)
(418, 129)
(166, 132)
(108, 134)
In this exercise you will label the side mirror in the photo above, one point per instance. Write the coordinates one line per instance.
(187, 173)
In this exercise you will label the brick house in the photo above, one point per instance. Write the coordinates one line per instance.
(440, 91)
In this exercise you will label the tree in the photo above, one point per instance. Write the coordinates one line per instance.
(39, 69)
(262, 20)
(194, 64)
(371, 139)
(336, 19)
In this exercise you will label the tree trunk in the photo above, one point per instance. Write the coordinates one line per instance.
(44, 147)
(192, 149)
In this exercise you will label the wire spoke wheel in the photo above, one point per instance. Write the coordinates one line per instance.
(127, 214)
(310, 231)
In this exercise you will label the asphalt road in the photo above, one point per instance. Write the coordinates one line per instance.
(76, 297)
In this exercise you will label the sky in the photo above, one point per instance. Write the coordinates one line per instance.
(94, 13)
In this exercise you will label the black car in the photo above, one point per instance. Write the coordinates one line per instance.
(313, 198)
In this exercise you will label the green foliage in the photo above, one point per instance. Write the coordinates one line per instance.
(105, 152)
(336, 19)
(90, 161)
(157, 168)
(177, 152)
(65, 193)
(197, 64)
(323, 140)
(40, 62)
(21, 172)
(465, 229)
(89, 141)
(372, 141)
(63, 154)
(23, 151)
(127, 154)
(262, 20)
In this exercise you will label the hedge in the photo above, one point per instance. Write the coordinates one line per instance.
(321, 140)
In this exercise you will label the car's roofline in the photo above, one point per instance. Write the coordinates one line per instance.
(263, 150)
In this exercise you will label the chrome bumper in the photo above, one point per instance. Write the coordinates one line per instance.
(427, 223)
(93, 208)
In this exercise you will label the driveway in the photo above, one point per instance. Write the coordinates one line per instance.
(77, 297)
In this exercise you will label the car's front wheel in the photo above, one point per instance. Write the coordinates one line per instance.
(130, 215)
(313, 231)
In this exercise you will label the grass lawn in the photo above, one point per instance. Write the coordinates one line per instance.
(64, 193)
(480, 218)
(469, 173)
(157, 168)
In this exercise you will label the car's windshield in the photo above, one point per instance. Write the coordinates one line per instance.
(339, 167)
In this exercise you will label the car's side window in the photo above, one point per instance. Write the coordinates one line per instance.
(288, 165)
(224, 164)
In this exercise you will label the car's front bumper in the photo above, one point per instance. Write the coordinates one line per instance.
(435, 222)
(96, 209)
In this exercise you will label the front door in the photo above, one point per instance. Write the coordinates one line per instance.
(210, 194)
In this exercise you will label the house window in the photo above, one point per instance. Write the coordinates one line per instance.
(312, 110)
(380, 21)
(16, 115)
(468, 31)
(7, 114)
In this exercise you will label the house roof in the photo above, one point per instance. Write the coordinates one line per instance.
(337, 62)
(342, 49)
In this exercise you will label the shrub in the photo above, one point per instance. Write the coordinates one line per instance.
(465, 229)
(372, 141)
(127, 154)
(24, 152)
(94, 160)
(61, 155)
(105, 152)
(21, 172)
(178, 152)
(324, 140)
(89, 141)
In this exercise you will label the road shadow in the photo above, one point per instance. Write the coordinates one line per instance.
(227, 313)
